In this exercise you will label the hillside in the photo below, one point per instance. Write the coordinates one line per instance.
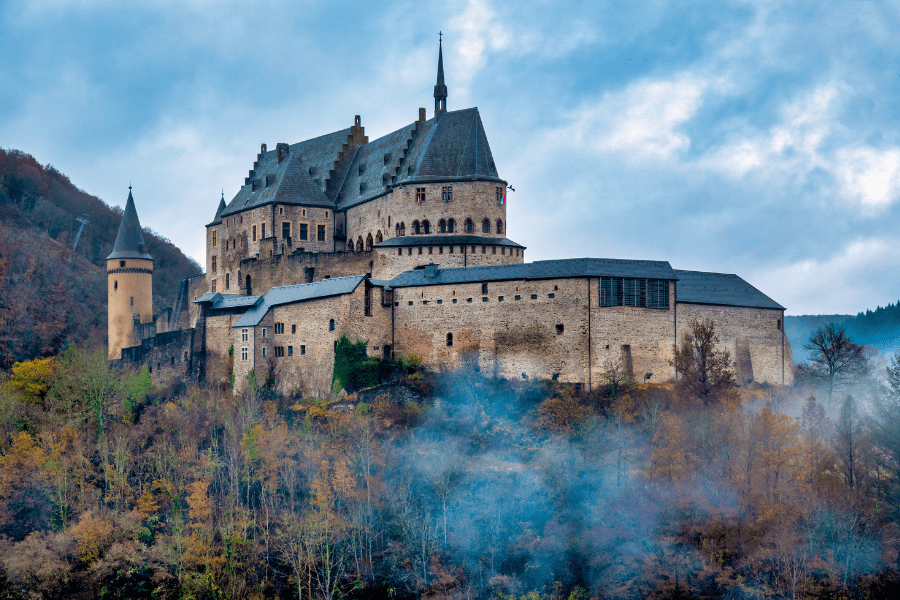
(50, 295)
(879, 328)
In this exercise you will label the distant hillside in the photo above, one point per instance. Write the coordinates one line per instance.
(50, 295)
(879, 328)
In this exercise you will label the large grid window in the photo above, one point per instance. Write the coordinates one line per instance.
(649, 293)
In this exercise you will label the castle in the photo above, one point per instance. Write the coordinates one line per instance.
(402, 242)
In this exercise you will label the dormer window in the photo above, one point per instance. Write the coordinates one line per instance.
(362, 187)
(387, 158)
(362, 168)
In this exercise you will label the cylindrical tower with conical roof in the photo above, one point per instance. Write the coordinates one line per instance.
(130, 283)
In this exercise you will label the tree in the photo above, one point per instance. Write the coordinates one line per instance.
(886, 430)
(835, 359)
(703, 371)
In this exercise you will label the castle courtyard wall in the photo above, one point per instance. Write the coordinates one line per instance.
(398, 260)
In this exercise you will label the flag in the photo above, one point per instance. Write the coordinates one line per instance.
(502, 199)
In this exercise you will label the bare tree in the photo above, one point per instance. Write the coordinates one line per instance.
(703, 372)
(835, 359)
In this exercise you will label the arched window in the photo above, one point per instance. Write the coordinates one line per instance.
(331, 325)
(442, 226)
(416, 228)
(486, 226)
(227, 280)
(451, 226)
(359, 244)
(499, 225)
(470, 226)
(369, 242)
(402, 229)
(248, 287)
(426, 227)
(378, 238)
(449, 340)
(350, 246)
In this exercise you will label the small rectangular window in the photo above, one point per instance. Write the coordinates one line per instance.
(243, 335)
(499, 298)
(213, 238)
(243, 354)
(534, 296)
(469, 300)
(440, 301)
(410, 303)
(264, 332)
(484, 299)
(264, 351)
(447, 193)
(320, 233)
(454, 301)
(420, 195)
(484, 288)
(290, 350)
(294, 328)
(551, 295)
(286, 230)
(121, 264)
(254, 232)
(303, 349)
(779, 325)
(518, 297)
(304, 232)
(213, 266)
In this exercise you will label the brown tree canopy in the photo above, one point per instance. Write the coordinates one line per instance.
(703, 371)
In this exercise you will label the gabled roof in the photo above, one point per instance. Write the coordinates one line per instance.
(698, 287)
(130, 239)
(446, 239)
(542, 269)
(378, 158)
(298, 179)
(298, 293)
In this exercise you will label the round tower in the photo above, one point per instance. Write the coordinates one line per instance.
(129, 283)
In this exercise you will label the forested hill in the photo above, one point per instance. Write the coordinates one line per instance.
(50, 295)
(879, 328)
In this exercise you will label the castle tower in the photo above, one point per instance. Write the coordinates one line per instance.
(129, 282)
(440, 90)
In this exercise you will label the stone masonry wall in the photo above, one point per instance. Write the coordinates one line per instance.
(167, 355)
(398, 260)
(476, 200)
(754, 329)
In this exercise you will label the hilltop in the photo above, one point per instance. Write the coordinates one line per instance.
(50, 295)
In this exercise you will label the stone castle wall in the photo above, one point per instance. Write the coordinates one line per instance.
(130, 297)
(397, 260)
(753, 336)
(168, 355)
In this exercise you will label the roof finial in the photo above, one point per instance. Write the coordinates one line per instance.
(440, 90)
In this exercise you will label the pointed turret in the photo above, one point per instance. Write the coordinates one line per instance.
(440, 90)
(130, 240)
(129, 271)
(221, 208)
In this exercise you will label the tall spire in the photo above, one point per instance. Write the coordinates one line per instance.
(221, 207)
(130, 240)
(440, 90)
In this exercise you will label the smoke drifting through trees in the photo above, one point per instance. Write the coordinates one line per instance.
(485, 489)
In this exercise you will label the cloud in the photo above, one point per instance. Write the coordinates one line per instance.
(478, 30)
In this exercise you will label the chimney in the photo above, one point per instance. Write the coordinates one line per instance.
(421, 115)
(281, 152)
(431, 271)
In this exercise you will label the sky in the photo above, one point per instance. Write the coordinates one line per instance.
(757, 138)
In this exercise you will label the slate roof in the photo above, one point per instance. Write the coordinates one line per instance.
(298, 293)
(542, 269)
(446, 240)
(298, 179)
(698, 287)
(378, 158)
(220, 301)
(130, 239)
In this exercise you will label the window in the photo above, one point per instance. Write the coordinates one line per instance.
(499, 190)
(279, 328)
(213, 238)
(279, 351)
(294, 328)
(449, 340)
(484, 249)
(649, 293)
(264, 332)
(320, 233)
(442, 226)
(779, 324)
(290, 350)
(367, 308)
(551, 295)
(304, 232)
(485, 299)
(451, 226)
(243, 335)
(426, 227)
(484, 288)
(559, 329)
(493, 249)
(227, 280)
(518, 297)
(499, 298)
(499, 226)
(331, 325)
(416, 228)
(486, 226)
(213, 289)
(280, 210)
(121, 264)
(253, 229)
(447, 193)
(469, 300)
(303, 349)
(420, 195)
(470, 226)
(213, 266)
(534, 296)
(262, 231)
(264, 351)
(115, 285)
(285, 230)
(243, 354)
